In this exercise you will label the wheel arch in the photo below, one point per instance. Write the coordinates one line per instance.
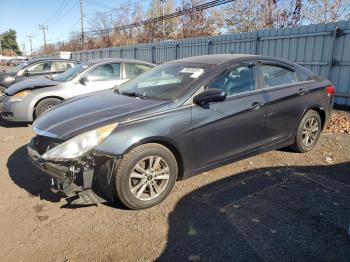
(169, 144)
(321, 112)
(41, 99)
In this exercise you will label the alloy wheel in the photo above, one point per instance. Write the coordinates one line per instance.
(310, 131)
(149, 178)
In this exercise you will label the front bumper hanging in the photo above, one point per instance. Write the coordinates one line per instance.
(83, 181)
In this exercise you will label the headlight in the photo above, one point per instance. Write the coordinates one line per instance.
(9, 79)
(19, 96)
(80, 144)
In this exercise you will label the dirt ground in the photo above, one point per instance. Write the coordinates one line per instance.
(277, 206)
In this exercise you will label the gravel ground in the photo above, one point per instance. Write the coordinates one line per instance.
(276, 206)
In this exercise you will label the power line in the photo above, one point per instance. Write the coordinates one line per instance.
(60, 17)
(178, 13)
(58, 11)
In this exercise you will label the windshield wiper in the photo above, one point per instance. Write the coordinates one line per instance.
(133, 94)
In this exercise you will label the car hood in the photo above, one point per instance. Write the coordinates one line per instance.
(87, 112)
(31, 84)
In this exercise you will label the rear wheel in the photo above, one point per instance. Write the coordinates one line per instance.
(308, 132)
(145, 176)
(45, 105)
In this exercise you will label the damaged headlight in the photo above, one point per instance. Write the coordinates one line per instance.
(80, 144)
(19, 96)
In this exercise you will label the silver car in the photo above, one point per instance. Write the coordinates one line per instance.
(26, 100)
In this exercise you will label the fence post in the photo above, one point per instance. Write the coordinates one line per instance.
(331, 52)
(109, 53)
(135, 52)
(176, 51)
(257, 39)
(209, 47)
(153, 54)
(121, 53)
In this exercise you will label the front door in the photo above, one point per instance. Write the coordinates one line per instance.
(223, 130)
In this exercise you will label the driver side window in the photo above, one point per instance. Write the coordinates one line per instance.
(237, 80)
(105, 72)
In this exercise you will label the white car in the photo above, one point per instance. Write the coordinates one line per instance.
(26, 100)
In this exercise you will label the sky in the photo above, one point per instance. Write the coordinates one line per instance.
(61, 17)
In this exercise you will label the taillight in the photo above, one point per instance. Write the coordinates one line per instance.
(330, 90)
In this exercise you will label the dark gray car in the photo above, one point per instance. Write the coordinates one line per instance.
(176, 120)
(33, 68)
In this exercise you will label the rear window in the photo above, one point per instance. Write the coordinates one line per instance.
(277, 76)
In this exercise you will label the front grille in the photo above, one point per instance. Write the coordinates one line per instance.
(3, 97)
(43, 143)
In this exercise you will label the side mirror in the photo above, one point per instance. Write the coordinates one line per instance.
(210, 95)
(83, 80)
(26, 73)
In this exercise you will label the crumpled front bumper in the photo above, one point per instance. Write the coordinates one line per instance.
(87, 176)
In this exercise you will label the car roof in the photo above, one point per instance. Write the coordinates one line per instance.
(219, 59)
(49, 59)
(106, 60)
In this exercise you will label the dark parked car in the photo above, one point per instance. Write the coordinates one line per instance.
(177, 120)
(33, 68)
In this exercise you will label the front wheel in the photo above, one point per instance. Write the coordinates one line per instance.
(45, 105)
(308, 132)
(145, 176)
(2, 90)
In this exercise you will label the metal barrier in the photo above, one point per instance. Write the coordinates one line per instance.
(323, 48)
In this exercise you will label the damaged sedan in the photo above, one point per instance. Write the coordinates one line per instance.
(182, 118)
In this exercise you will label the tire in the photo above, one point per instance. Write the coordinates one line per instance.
(2, 90)
(45, 105)
(311, 121)
(128, 187)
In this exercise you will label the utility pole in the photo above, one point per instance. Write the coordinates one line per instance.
(24, 48)
(44, 28)
(30, 42)
(0, 47)
(82, 24)
(163, 21)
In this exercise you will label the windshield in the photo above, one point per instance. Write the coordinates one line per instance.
(165, 82)
(16, 68)
(71, 73)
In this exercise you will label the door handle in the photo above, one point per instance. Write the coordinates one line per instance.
(302, 91)
(256, 106)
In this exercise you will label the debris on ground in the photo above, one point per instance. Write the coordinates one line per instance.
(329, 160)
(340, 123)
(6, 138)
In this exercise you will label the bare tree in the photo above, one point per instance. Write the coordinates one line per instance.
(198, 23)
(251, 15)
(323, 11)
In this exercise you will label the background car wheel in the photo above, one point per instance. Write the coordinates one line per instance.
(308, 132)
(45, 105)
(2, 90)
(145, 176)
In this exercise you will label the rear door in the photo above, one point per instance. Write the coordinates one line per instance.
(61, 66)
(101, 77)
(235, 126)
(287, 99)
